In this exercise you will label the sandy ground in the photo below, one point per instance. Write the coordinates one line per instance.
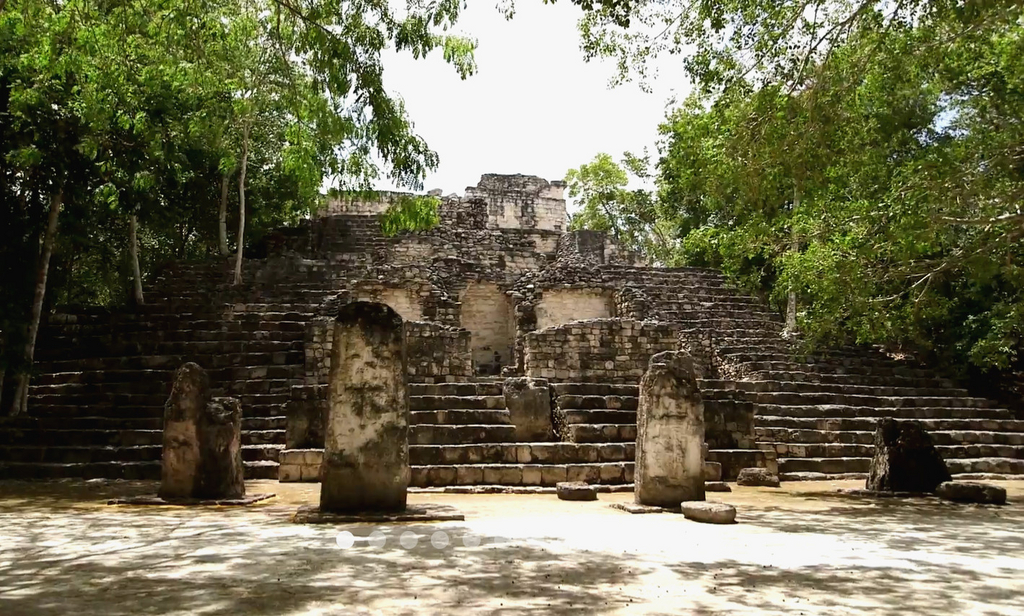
(799, 550)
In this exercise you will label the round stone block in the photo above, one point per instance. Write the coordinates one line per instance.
(708, 513)
(971, 492)
(757, 477)
(575, 491)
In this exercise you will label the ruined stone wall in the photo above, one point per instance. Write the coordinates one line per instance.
(436, 353)
(560, 306)
(487, 313)
(520, 201)
(361, 204)
(606, 350)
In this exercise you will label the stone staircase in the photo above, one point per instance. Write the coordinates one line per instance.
(96, 402)
(817, 412)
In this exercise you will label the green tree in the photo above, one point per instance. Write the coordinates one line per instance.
(606, 204)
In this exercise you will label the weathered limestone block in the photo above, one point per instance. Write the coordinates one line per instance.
(529, 405)
(670, 433)
(971, 492)
(202, 441)
(905, 459)
(221, 470)
(180, 467)
(708, 513)
(366, 457)
(306, 413)
(575, 491)
(756, 476)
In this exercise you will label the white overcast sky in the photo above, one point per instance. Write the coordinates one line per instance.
(533, 107)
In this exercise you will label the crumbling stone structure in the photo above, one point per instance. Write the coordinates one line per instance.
(202, 445)
(498, 290)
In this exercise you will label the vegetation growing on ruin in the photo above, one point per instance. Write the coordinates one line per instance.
(138, 131)
(866, 155)
(410, 213)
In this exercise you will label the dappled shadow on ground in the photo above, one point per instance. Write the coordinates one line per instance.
(62, 551)
(890, 556)
(158, 560)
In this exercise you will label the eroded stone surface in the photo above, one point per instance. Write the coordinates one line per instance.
(202, 441)
(757, 477)
(708, 513)
(905, 459)
(716, 486)
(575, 491)
(180, 465)
(971, 492)
(529, 404)
(670, 433)
(366, 458)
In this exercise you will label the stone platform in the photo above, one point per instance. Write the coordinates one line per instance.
(244, 501)
(413, 513)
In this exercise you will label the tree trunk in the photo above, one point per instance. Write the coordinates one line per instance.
(794, 246)
(133, 247)
(222, 231)
(241, 204)
(21, 391)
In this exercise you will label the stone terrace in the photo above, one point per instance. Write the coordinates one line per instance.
(497, 290)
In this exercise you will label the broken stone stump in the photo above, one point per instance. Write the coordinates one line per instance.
(180, 465)
(670, 433)
(971, 492)
(575, 491)
(708, 513)
(221, 470)
(366, 454)
(756, 476)
(905, 459)
(529, 404)
(202, 441)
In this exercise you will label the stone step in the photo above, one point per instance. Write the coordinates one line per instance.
(950, 437)
(521, 474)
(113, 454)
(593, 389)
(599, 433)
(460, 417)
(83, 470)
(849, 399)
(627, 403)
(172, 362)
(464, 434)
(868, 424)
(849, 379)
(429, 403)
(596, 416)
(471, 389)
(829, 368)
(521, 453)
(80, 438)
(838, 466)
(910, 412)
(839, 388)
(850, 450)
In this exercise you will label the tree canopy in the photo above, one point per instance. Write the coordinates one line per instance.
(866, 155)
(134, 119)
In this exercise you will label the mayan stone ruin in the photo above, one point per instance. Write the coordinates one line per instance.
(525, 345)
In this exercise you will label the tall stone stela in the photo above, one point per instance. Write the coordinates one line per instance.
(366, 454)
(670, 433)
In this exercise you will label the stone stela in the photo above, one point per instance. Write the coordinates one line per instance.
(670, 433)
(366, 458)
